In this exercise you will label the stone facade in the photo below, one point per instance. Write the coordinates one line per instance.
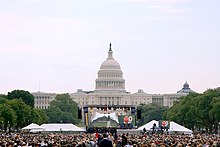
(42, 100)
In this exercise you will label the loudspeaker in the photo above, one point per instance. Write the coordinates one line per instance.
(79, 113)
(133, 110)
(85, 109)
(138, 114)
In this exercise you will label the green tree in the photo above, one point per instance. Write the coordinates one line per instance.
(7, 115)
(152, 112)
(3, 96)
(22, 111)
(38, 116)
(197, 110)
(3, 100)
(62, 109)
(172, 113)
(205, 106)
(26, 96)
(54, 114)
(215, 112)
(185, 111)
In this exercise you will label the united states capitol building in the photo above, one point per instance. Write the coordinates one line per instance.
(110, 92)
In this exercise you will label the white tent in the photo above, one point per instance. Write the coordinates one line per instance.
(32, 126)
(61, 127)
(174, 127)
(149, 125)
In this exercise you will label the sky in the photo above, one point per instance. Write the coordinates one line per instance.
(57, 46)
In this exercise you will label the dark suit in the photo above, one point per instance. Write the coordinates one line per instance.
(105, 143)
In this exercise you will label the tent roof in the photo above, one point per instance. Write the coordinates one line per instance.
(112, 116)
(61, 127)
(174, 127)
(178, 128)
(32, 126)
(149, 125)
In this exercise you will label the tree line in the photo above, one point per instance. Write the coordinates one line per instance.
(196, 111)
(17, 110)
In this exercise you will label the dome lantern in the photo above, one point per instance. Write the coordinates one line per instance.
(186, 85)
(110, 56)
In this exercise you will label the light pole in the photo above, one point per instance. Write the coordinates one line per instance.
(8, 126)
(2, 126)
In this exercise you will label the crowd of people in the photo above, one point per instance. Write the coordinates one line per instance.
(107, 140)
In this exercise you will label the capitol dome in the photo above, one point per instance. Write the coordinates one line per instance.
(110, 64)
(110, 76)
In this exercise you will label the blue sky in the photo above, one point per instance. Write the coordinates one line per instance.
(60, 44)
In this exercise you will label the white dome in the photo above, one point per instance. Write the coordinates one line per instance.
(110, 63)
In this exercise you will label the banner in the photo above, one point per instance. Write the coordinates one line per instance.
(126, 121)
(164, 124)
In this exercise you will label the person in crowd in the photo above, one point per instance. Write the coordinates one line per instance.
(105, 142)
(124, 140)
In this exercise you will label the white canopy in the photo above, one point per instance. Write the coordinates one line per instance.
(149, 125)
(61, 127)
(112, 116)
(32, 126)
(174, 127)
